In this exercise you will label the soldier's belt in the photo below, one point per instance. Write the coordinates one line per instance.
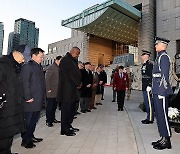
(146, 77)
(157, 75)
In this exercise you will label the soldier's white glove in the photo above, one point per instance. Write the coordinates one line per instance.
(148, 88)
(160, 97)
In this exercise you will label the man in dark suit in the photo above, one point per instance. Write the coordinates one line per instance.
(34, 93)
(104, 79)
(86, 88)
(120, 84)
(69, 82)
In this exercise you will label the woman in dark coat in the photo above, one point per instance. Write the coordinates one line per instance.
(11, 110)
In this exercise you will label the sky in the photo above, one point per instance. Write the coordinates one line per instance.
(47, 15)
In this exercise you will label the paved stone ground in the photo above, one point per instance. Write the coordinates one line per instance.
(103, 131)
(145, 134)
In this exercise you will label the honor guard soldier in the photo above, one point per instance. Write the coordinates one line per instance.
(161, 89)
(146, 71)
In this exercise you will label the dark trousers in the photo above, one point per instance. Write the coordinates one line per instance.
(5, 145)
(161, 110)
(31, 119)
(149, 106)
(77, 106)
(120, 98)
(102, 91)
(51, 109)
(77, 102)
(84, 103)
(68, 110)
(114, 95)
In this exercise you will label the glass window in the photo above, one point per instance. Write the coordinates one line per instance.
(177, 46)
(165, 25)
(177, 22)
(177, 3)
(164, 5)
(55, 48)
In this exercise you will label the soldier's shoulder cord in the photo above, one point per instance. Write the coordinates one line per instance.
(159, 60)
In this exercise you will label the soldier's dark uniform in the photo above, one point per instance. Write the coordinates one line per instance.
(146, 71)
(161, 89)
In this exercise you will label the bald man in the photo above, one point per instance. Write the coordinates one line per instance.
(69, 82)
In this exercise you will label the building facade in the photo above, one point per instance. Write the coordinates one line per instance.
(62, 47)
(10, 42)
(119, 27)
(25, 32)
(1, 37)
(168, 23)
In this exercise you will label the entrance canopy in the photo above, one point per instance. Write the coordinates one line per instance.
(114, 19)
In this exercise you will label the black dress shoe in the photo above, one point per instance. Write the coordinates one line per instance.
(74, 129)
(99, 103)
(147, 122)
(88, 110)
(122, 109)
(113, 100)
(28, 146)
(94, 108)
(75, 118)
(102, 98)
(83, 111)
(56, 121)
(154, 143)
(49, 124)
(118, 109)
(165, 143)
(78, 113)
(68, 133)
(35, 140)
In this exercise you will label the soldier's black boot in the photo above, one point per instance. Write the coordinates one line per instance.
(154, 143)
(165, 143)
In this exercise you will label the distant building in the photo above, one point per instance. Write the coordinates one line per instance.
(10, 42)
(62, 47)
(1, 37)
(25, 32)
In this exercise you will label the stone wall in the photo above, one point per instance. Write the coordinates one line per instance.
(146, 26)
(168, 22)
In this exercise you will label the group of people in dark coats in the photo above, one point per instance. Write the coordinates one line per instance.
(24, 90)
(78, 84)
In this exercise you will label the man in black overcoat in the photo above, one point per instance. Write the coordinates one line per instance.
(34, 93)
(11, 109)
(69, 81)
